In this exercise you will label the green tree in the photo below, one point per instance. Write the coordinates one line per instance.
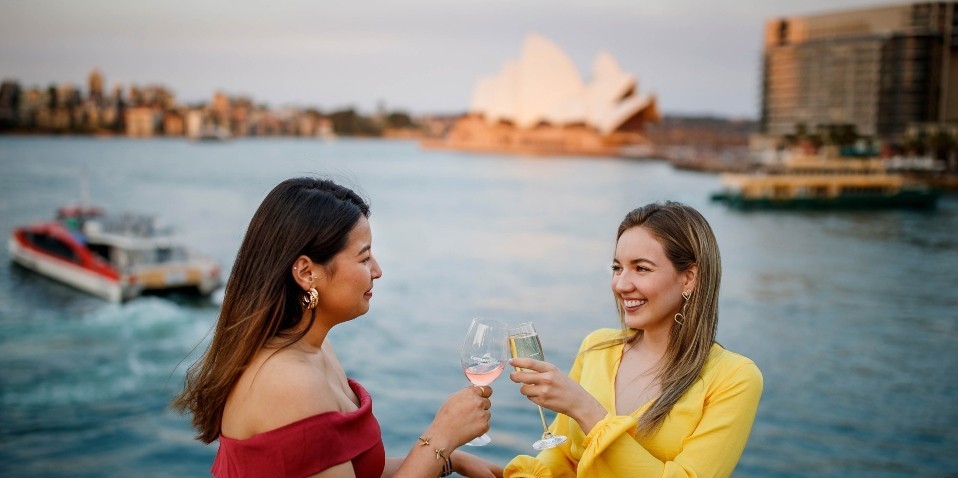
(399, 119)
(939, 144)
(349, 123)
(915, 144)
(51, 97)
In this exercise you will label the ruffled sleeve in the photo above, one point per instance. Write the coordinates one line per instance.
(604, 433)
(610, 448)
(525, 466)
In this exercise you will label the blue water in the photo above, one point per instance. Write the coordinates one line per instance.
(850, 315)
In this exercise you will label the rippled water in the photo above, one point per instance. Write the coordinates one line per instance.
(850, 316)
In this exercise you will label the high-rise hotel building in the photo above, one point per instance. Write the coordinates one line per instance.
(880, 69)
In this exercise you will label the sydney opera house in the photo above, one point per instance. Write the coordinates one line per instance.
(539, 104)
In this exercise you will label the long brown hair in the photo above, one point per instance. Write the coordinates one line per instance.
(300, 216)
(688, 240)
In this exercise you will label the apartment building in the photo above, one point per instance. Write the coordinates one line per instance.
(881, 69)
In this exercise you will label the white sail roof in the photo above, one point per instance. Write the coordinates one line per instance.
(546, 76)
(504, 94)
(543, 85)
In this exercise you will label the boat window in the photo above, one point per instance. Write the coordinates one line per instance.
(54, 246)
(101, 250)
(164, 254)
(137, 258)
(862, 190)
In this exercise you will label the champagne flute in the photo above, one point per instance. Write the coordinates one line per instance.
(524, 343)
(483, 358)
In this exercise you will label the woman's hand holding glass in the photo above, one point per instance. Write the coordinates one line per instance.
(547, 386)
(462, 417)
(524, 344)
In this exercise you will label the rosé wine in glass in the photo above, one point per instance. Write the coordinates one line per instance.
(483, 358)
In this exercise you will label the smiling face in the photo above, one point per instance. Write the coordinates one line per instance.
(346, 284)
(646, 285)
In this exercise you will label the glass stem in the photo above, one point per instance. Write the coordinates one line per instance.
(545, 428)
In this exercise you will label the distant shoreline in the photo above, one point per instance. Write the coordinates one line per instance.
(711, 162)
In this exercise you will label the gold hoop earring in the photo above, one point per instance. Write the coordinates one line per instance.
(310, 299)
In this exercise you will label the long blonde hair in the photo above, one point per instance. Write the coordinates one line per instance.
(688, 240)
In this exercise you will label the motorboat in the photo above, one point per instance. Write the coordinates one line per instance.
(115, 257)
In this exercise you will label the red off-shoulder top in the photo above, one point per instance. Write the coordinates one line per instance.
(308, 446)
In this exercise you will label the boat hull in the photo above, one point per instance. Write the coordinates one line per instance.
(925, 199)
(70, 274)
(201, 277)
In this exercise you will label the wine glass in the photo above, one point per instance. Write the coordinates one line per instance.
(524, 343)
(484, 357)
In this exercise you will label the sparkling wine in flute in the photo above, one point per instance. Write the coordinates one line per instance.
(524, 343)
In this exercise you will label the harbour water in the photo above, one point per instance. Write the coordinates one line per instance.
(850, 315)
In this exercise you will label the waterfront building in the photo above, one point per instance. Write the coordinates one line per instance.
(9, 104)
(324, 128)
(95, 85)
(879, 69)
(220, 109)
(68, 96)
(141, 122)
(540, 104)
(194, 123)
(59, 119)
(173, 124)
(32, 102)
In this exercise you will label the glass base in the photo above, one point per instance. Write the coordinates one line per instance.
(482, 440)
(549, 441)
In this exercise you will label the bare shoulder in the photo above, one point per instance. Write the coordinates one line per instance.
(294, 381)
(282, 388)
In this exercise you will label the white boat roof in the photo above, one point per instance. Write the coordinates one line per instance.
(129, 231)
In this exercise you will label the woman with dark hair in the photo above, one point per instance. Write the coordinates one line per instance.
(270, 387)
(658, 396)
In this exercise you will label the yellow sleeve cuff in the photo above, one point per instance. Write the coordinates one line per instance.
(610, 428)
(525, 466)
(601, 437)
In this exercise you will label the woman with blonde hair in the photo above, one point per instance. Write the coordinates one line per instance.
(657, 396)
(270, 387)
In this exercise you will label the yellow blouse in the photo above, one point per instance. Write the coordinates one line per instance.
(703, 435)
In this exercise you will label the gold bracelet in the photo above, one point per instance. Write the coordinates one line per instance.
(440, 455)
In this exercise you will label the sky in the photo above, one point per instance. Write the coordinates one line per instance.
(699, 57)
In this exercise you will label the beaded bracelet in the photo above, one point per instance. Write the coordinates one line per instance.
(446, 467)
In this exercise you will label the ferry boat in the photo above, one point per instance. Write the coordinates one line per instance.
(812, 182)
(115, 257)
